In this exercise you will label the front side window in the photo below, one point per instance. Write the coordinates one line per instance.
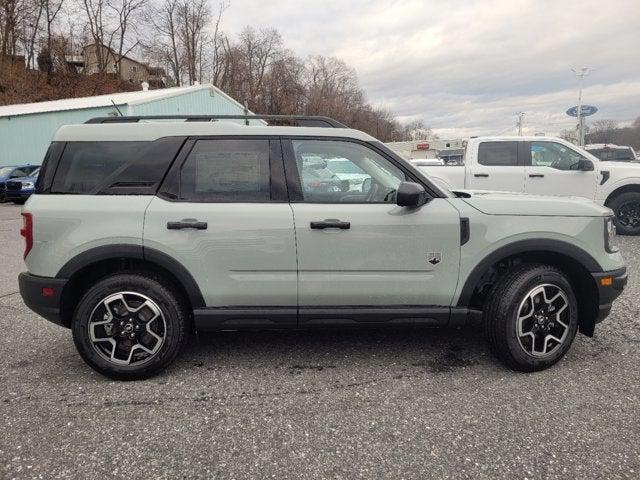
(554, 155)
(498, 154)
(333, 171)
(227, 171)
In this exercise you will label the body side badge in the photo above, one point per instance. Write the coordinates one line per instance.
(434, 258)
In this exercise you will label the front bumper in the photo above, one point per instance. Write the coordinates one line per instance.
(610, 286)
(12, 195)
(42, 295)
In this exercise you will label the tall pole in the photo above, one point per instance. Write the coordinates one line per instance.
(519, 123)
(580, 73)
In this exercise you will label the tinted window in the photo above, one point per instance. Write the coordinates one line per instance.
(554, 155)
(227, 171)
(114, 167)
(499, 154)
(345, 172)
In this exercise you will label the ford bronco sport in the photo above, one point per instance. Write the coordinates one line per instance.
(142, 231)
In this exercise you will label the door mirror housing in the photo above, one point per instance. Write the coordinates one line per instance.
(585, 165)
(410, 194)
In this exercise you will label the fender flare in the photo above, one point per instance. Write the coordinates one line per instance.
(538, 245)
(136, 252)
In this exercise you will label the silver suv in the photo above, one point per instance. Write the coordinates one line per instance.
(143, 231)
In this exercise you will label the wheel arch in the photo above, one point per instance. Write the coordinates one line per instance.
(89, 266)
(574, 262)
(629, 187)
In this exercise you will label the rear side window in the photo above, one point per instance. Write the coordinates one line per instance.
(499, 154)
(134, 168)
(227, 171)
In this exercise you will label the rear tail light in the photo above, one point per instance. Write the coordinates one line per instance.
(27, 232)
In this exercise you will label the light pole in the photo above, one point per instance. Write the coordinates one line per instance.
(580, 73)
(519, 124)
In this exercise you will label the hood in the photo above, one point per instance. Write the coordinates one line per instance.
(520, 204)
(632, 165)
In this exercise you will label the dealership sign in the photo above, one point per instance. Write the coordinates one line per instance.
(586, 110)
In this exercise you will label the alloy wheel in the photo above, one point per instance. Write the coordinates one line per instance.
(629, 214)
(127, 328)
(543, 320)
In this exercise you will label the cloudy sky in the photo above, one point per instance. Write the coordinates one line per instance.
(467, 67)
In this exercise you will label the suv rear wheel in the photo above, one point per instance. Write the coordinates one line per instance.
(531, 317)
(129, 326)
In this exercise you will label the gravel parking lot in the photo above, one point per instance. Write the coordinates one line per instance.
(339, 404)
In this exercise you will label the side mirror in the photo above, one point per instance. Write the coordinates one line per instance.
(410, 194)
(585, 165)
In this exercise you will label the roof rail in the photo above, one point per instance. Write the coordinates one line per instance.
(290, 120)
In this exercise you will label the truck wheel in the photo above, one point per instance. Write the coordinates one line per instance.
(626, 208)
(531, 317)
(129, 326)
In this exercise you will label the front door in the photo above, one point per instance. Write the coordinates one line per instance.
(356, 247)
(223, 214)
(553, 170)
(499, 166)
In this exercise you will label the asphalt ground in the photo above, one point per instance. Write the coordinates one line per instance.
(335, 404)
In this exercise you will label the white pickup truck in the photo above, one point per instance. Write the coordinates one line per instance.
(547, 166)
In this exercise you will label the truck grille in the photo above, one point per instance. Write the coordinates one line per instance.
(14, 186)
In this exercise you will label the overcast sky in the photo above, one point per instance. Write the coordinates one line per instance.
(467, 67)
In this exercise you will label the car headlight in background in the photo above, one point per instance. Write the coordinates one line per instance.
(27, 184)
(609, 235)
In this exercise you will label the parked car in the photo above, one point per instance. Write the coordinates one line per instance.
(547, 166)
(607, 152)
(348, 171)
(208, 226)
(20, 189)
(10, 173)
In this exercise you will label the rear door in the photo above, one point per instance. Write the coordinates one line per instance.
(499, 166)
(553, 170)
(223, 213)
(357, 248)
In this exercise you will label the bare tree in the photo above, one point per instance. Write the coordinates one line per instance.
(193, 16)
(126, 12)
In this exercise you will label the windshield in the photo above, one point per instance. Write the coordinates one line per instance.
(624, 154)
(4, 171)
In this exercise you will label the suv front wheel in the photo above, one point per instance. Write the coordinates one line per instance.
(129, 326)
(531, 317)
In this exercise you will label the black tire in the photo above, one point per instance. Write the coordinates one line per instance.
(172, 325)
(3, 197)
(626, 208)
(19, 202)
(508, 301)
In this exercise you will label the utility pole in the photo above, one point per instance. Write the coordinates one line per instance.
(580, 73)
(519, 122)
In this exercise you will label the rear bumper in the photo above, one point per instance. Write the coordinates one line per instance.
(610, 286)
(33, 295)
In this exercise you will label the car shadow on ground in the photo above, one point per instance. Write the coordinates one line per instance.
(436, 350)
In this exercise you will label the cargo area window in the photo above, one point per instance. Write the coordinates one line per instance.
(498, 154)
(227, 171)
(112, 168)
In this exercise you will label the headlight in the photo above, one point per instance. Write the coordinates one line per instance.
(27, 184)
(609, 235)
